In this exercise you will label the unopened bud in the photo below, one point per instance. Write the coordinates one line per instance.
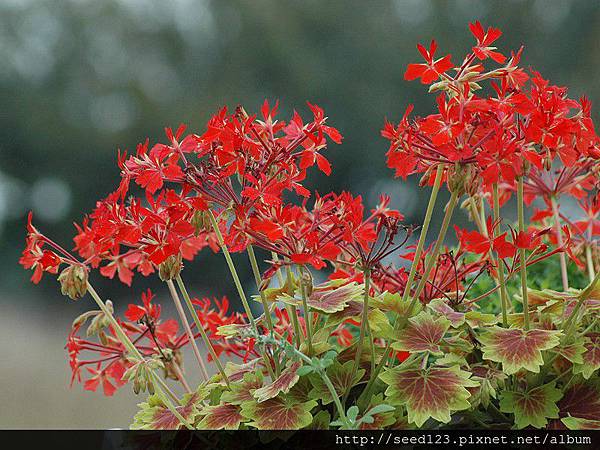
(170, 267)
(201, 222)
(73, 282)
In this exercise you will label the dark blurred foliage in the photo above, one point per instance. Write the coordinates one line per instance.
(81, 78)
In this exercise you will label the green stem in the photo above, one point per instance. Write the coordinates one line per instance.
(559, 238)
(187, 328)
(258, 280)
(425, 228)
(521, 218)
(232, 269)
(590, 262)
(501, 282)
(205, 339)
(587, 292)
(307, 319)
(364, 323)
(432, 261)
(293, 312)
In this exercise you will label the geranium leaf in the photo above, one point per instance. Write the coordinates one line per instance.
(154, 415)
(489, 380)
(393, 303)
(516, 348)
(333, 300)
(581, 402)
(341, 378)
(591, 357)
(533, 407)
(477, 319)
(279, 413)
(423, 334)
(577, 423)
(382, 415)
(435, 392)
(241, 391)
(221, 417)
(573, 351)
(283, 383)
(442, 308)
(321, 421)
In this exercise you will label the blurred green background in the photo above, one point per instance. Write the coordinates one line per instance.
(81, 78)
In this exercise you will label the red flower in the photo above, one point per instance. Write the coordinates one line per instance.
(432, 69)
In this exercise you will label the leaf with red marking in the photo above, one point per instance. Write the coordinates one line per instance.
(154, 415)
(591, 357)
(393, 303)
(580, 406)
(221, 417)
(516, 348)
(286, 380)
(333, 300)
(279, 413)
(429, 393)
(341, 378)
(532, 407)
(423, 334)
(243, 390)
(442, 308)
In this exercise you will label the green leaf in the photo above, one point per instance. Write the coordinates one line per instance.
(279, 413)
(341, 378)
(221, 417)
(283, 383)
(434, 392)
(440, 307)
(423, 334)
(321, 421)
(328, 301)
(242, 391)
(154, 415)
(591, 357)
(516, 348)
(577, 423)
(393, 303)
(533, 407)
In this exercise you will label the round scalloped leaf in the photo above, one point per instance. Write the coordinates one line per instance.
(533, 407)
(334, 300)
(423, 334)
(572, 352)
(440, 307)
(221, 417)
(430, 393)
(341, 378)
(517, 349)
(279, 413)
(591, 357)
(154, 415)
(241, 391)
(581, 402)
(393, 302)
(283, 383)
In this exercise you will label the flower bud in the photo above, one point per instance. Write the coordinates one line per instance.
(201, 222)
(73, 282)
(170, 267)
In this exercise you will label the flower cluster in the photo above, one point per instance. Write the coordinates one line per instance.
(400, 333)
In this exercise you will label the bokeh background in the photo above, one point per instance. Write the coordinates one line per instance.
(81, 78)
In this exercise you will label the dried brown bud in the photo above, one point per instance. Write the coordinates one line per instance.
(73, 282)
(170, 267)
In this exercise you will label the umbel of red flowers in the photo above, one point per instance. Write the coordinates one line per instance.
(400, 334)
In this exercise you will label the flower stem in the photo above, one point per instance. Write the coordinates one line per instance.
(364, 323)
(583, 296)
(307, 319)
(432, 261)
(521, 219)
(200, 327)
(501, 282)
(257, 279)
(590, 262)
(425, 228)
(559, 238)
(232, 269)
(186, 327)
